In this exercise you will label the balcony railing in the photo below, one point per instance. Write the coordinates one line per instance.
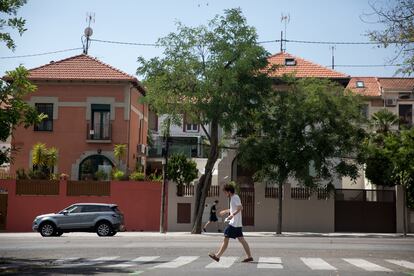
(99, 132)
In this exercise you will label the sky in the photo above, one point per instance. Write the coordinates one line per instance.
(54, 25)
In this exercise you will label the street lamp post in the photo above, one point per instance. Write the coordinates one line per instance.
(164, 184)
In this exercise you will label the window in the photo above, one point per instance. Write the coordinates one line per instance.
(190, 126)
(364, 111)
(46, 124)
(360, 84)
(100, 129)
(290, 62)
(74, 209)
(406, 115)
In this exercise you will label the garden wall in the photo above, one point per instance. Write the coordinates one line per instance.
(139, 202)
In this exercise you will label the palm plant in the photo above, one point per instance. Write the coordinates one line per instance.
(39, 155)
(383, 120)
(119, 152)
(52, 156)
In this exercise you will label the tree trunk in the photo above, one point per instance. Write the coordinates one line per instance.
(280, 210)
(205, 180)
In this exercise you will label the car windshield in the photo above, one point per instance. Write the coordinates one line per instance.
(71, 209)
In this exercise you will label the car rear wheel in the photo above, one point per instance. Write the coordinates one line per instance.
(47, 229)
(113, 233)
(104, 229)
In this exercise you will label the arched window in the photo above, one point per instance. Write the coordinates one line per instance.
(95, 167)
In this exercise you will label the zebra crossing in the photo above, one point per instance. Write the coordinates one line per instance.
(226, 262)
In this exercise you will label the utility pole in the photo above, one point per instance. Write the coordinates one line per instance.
(164, 174)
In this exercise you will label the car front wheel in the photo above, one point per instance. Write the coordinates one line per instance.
(47, 229)
(104, 229)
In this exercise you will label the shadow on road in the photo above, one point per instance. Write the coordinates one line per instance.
(25, 266)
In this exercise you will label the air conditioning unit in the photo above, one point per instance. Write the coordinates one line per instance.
(390, 102)
(142, 149)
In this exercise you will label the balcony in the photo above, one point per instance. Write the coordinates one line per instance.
(189, 146)
(99, 133)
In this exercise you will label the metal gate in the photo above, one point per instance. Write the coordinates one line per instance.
(247, 199)
(365, 211)
(3, 210)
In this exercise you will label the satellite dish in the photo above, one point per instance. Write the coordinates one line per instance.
(88, 31)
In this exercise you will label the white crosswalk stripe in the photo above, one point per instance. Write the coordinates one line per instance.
(270, 262)
(402, 263)
(317, 264)
(365, 265)
(134, 262)
(225, 262)
(180, 261)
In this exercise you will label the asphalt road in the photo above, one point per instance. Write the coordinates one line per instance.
(183, 254)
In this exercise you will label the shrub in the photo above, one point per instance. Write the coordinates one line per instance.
(21, 174)
(36, 174)
(101, 175)
(118, 175)
(137, 176)
(155, 177)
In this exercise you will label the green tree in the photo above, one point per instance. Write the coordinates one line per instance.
(8, 8)
(398, 20)
(308, 126)
(14, 111)
(119, 152)
(383, 120)
(396, 151)
(215, 75)
(181, 170)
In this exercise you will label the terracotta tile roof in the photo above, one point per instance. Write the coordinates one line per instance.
(402, 84)
(303, 68)
(81, 67)
(371, 86)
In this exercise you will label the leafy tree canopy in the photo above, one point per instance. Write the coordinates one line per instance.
(312, 123)
(8, 8)
(14, 111)
(397, 17)
(181, 170)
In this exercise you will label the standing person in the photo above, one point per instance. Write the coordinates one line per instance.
(234, 229)
(213, 216)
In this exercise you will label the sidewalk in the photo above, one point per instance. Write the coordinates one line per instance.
(215, 234)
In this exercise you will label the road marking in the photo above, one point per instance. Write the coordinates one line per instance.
(402, 263)
(134, 262)
(180, 261)
(365, 265)
(66, 260)
(317, 264)
(270, 262)
(225, 262)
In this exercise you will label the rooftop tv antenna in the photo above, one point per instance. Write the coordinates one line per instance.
(286, 19)
(333, 48)
(90, 18)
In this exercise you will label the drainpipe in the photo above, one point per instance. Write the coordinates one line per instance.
(129, 125)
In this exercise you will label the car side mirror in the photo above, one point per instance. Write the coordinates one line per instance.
(65, 212)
